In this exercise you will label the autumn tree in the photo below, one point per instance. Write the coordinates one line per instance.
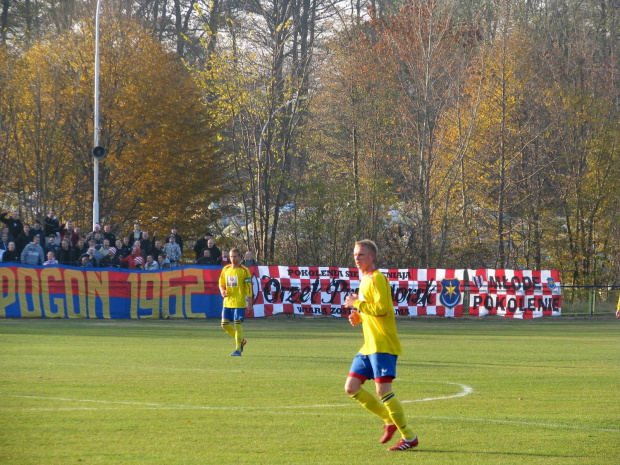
(259, 78)
(424, 54)
(159, 134)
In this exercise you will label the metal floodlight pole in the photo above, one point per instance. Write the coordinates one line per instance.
(96, 123)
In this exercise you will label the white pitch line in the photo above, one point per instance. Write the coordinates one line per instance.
(157, 406)
(524, 423)
(465, 390)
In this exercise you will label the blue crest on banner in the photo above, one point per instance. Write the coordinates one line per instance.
(450, 293)
(551, 283)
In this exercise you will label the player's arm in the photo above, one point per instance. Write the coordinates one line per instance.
(249, 290)
(222, 283)
(374, 303)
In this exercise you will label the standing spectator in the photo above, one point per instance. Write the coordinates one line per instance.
(145, 245)
(225, 261)
(86, 261)
(96, 230)
(157, 249)
(93, 256)
(124, 251)
(37, 230)
(163, 261)
(172, 251)
(66, 230)
(108, 234)
(379, 353)
(139, 261)
(82, 246)
(111, 260)
(51, 224)
(201, 244)
(51, 259)
(24, 238)
(206, 258)
(103, 250)
(236, 287)
(215, 251)
(4, 242)
(14, 223)
(10, 255)
(177, 237)
(97, 238)
(65, 255)
(33, 253)
(130, 260)
(136, 234)
(150, 263)
(51, 245)
(248, 259)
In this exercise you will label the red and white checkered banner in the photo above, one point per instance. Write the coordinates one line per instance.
(515, 293)
(321, 290)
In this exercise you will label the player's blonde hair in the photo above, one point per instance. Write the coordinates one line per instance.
(370, 245)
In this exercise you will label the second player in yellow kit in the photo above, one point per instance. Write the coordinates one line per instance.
(236, 287)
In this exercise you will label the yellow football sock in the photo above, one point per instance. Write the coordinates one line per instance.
(397, 414)
(372, 404)
(228, 328)
(238, 334)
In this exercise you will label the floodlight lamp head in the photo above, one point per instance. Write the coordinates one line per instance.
(99, 152)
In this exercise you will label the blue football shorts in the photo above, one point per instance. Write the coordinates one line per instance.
(380, 366)
(233, 314)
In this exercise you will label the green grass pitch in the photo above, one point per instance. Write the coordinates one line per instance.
(494, 391)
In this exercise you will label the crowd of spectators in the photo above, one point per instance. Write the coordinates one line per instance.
(56, 243)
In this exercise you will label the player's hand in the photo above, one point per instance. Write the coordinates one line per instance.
(355, 318)
(223, 292)
(349, 300)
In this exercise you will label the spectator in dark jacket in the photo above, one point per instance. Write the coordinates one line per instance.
(201, 244)
(108, 234)
(215, 251)
(206, 258)
(110, 260)
(51, 226)
(10, 255)
(4, 241)
(14, 223)
(177, 237)
(65, 254)
(24, 238)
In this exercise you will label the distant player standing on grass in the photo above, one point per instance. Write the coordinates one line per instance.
(377, 357)
(236, 287)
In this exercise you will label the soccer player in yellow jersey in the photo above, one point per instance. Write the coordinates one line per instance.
(377, 357)
(236, 287)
